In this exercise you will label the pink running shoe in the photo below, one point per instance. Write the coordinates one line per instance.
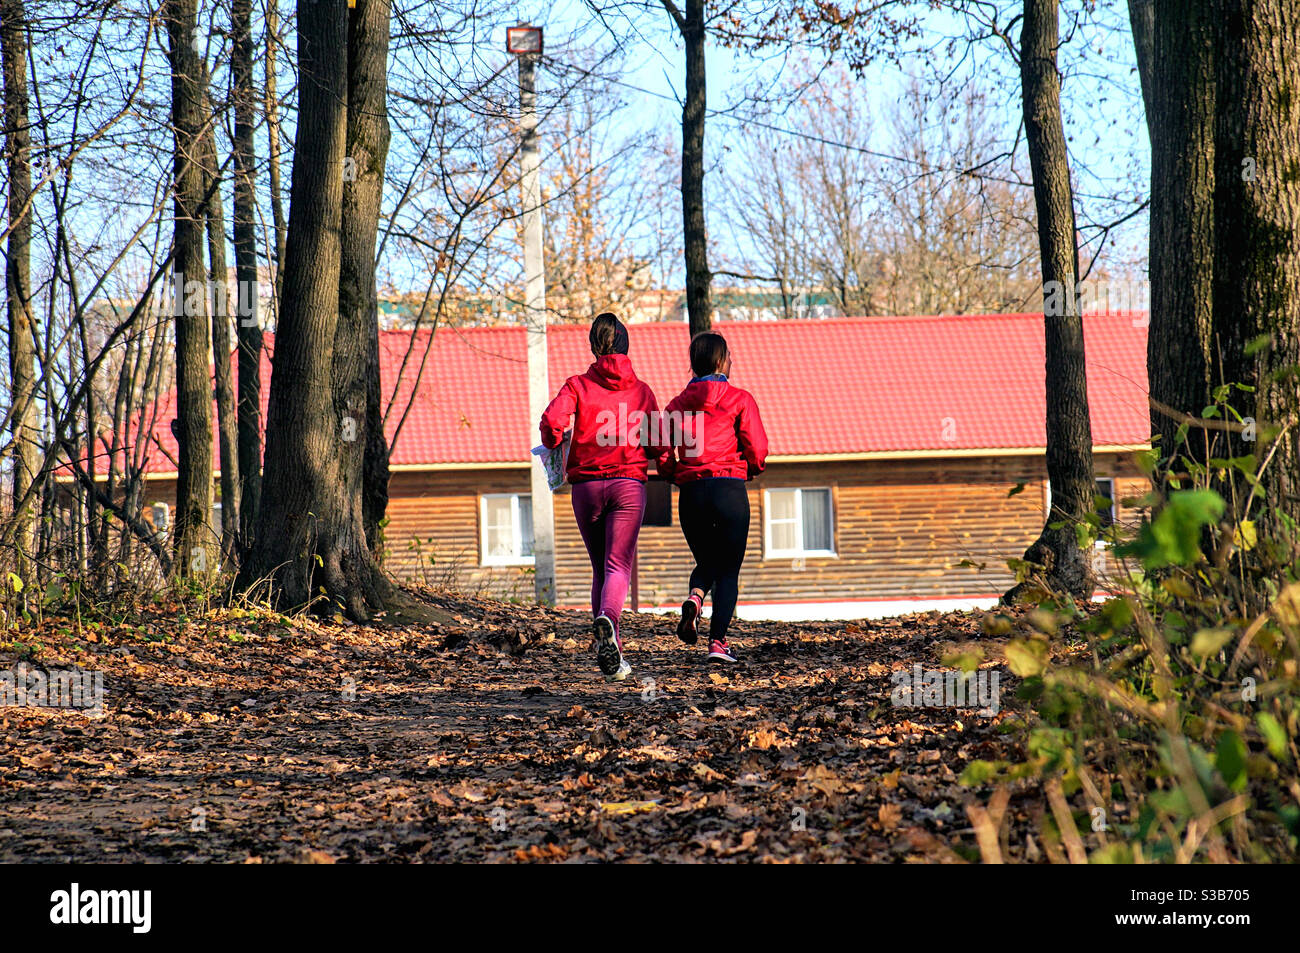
(690, 616)
(720, 651)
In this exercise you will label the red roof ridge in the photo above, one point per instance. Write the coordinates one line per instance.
(835, 386)
(572, 327)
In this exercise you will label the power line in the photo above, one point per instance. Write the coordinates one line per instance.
(786, 130)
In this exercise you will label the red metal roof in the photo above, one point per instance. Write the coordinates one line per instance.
(838, 386)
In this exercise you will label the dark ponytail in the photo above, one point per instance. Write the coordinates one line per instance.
(708, 353)
(608, 335)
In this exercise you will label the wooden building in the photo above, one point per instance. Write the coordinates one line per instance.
(907, 457)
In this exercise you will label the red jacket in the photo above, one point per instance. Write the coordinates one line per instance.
(614, 415)
(715, 432)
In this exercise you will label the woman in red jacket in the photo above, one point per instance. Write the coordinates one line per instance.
(719, 443)
(613, 439)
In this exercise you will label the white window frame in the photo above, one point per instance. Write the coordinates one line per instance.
(489, 560)
(1114, 506)
(769, 552)
(163, 529)
(1114, 509)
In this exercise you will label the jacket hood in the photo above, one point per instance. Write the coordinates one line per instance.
(701, 395)
(612, 372)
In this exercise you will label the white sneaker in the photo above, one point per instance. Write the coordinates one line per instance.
(609, 654)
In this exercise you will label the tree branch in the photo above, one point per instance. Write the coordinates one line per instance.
(676, 14)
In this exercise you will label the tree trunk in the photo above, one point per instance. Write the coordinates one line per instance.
(248, 329)
(1142, 23)
(18, 288)
(223, 381)
(271, 105)
(1064, 566)
(310, 538)
(192, 537)
(695, 237)
(356, 356)
(1256, 218)
(1181, 120)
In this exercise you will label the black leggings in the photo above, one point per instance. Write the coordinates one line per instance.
(714, 514)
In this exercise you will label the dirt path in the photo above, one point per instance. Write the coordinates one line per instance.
(242, 738)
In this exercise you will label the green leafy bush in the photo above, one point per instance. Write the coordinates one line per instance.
(1168, 715)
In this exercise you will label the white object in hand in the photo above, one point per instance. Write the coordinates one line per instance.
(554, 461)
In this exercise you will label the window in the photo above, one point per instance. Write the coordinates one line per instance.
(161, 514)
(1103, 501)
(1106, 502)
(658, 503)
(507, 521)
(798, 522)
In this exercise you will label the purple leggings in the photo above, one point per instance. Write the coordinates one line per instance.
(609, 516)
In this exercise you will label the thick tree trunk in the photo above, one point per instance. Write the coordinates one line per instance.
(694, 234)
(248, 330)
(310, 538)
(18, 287)
(356, 356)
(223, 380)
(1181, 121)
(192, 537)
(1065, 567)
(1256, 265)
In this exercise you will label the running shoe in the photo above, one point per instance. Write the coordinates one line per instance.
(720, 651)
(690, 616)
(609, 651)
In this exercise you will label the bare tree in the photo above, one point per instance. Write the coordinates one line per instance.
(248, 329)
(1058, 559)
(356, 354)
(956, 231)
(18, 289)
(192, 535)
(601, 199)
(311, 534)
(271, 108)
(691, 24)
(932, 221)
(771, 218)
(219, 301)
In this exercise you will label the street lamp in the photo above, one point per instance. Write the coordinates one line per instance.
(524, 38)
(525, 42)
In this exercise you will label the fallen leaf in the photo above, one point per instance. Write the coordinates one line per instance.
(628, 807)
(889, 816)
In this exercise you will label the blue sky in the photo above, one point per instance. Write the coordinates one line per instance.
(1101, 97)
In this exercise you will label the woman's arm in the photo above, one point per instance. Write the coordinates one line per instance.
(751, 436)
(658, 446)
(555, 420)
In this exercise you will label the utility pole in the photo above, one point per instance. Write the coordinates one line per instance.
(525, 41)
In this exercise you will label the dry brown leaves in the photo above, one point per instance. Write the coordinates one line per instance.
(241, 736)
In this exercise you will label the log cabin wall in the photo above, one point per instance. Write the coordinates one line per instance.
(901, 530)
(434, 530)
